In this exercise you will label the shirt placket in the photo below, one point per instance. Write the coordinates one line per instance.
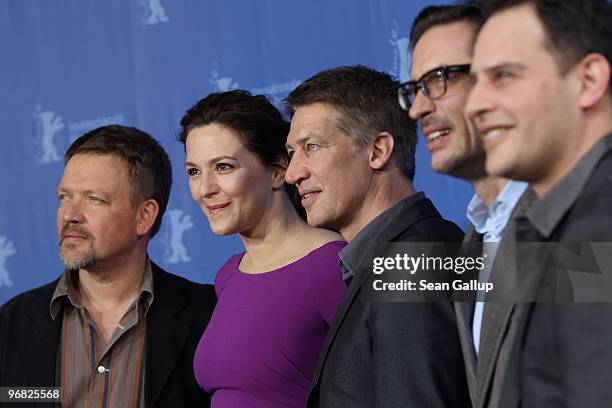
(102, 357)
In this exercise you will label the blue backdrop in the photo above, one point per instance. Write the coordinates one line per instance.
(68, 66)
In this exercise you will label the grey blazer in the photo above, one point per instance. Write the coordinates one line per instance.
(553, 354)
(488, 368)
(399, 355)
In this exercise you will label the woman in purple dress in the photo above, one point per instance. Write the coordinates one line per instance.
(278, 298)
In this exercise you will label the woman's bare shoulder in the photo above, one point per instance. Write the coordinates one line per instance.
(316, 237)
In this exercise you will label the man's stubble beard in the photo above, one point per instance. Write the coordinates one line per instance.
(78, 261)
(469, 168)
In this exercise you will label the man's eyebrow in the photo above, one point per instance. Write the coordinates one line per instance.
(301, 139)
(504, 66)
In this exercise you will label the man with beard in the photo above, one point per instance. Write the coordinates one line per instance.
(114, 329)
(442, 38)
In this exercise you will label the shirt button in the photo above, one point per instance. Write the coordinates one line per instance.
(101, 369)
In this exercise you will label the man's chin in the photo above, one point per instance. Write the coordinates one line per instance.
(443, 166)
(463, 168)
(497, 166)
(314, 220)
(76, 263)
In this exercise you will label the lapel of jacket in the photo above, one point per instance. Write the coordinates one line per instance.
(497, 312)
(38, 339)
(406, 219)
(495, 318)
(464, 312)
(168, 326)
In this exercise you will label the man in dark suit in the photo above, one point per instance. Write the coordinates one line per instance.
(114, 329)
(442, 39)
(542, 103)
(352, 159)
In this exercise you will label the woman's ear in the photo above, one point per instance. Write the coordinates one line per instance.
(278, 171)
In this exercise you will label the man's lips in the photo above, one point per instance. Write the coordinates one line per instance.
(217, 208)
(73, 233)
(437, 137)
(308, 196)
(73, 237)
(492, 134)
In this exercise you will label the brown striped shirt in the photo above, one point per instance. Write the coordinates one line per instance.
(91, 372)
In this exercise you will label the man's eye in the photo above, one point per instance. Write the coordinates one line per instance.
(94, 198)
(311, 146)
(62, 197)
(501, 76)
(290, 153)
(192, 171)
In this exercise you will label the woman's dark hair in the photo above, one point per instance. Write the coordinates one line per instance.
(255, 121)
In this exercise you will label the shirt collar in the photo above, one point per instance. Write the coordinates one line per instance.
(65, 291)
(546, 213)
(484, 218)
(353, 254)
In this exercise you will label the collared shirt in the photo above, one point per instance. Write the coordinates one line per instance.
(491, 223)
(546, 213)
(91, 372)
(355, 252)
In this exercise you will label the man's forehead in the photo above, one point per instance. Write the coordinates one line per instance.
(444, 44)
(510, 36)
(90, 156)
(101, 168)
(310, 118)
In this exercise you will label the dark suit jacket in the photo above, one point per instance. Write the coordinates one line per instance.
(550, 354)
(480, 370)
(394, 354)
(175, 321)
(464, 312)
(561, 354)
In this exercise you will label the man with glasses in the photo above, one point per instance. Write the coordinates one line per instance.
(442, 38)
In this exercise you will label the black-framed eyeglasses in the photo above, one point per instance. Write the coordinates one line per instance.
(433, 84)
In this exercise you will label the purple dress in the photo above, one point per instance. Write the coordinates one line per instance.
(263, 340)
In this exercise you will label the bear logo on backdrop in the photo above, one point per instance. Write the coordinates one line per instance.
(179, 222)
(154, 12)
(6, 249)
(275, 91)
(221, 83)
(49, 123)
(50, 129)
(401, 55)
